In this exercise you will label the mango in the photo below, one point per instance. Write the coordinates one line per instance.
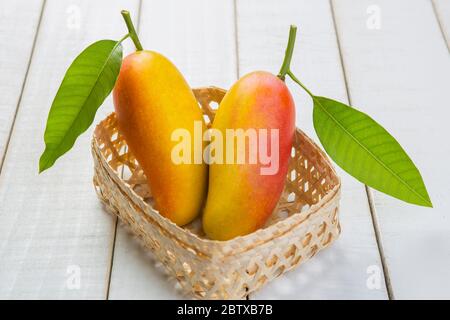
(152, 100)
(242, 196)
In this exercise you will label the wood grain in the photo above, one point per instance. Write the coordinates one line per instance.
(18, 26)
(339, 272)
(199, 37)
(52, 226)
(400, 74)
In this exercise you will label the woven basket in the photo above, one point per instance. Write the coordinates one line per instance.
(304, 221)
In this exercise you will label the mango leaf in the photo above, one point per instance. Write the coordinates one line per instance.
(86, 84)
(364, 149)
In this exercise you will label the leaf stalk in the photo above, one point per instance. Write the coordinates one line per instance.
(294, 78)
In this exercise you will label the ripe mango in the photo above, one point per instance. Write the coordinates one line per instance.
(152, 99)
(240, 198)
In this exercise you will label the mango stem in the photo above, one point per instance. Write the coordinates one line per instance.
(285, 67)
(294, 78)
(132, 31)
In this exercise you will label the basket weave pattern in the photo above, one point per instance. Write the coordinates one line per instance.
(304, 221)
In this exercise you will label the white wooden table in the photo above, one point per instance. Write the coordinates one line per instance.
(387, 57)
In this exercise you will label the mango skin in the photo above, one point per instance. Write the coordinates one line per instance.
(240, 199)
(152, 99)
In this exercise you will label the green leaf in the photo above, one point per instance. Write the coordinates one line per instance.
(86, 84)
(364, 149)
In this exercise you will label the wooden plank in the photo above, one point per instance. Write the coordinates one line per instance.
(52, 227)
(339, 272)
(400, 74)
(442, 10)
(198, 36)
(19, 21)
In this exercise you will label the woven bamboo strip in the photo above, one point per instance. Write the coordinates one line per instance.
(304, 222)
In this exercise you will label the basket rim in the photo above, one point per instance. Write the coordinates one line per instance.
(154, 215)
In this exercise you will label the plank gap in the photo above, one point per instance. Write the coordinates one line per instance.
(116, 224)
(369, 195)
(113, 247)
(439, 21)
(19, 101)
(341, 58)
(376, 228)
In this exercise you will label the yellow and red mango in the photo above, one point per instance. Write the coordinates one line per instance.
(152, 100)
(240, 198)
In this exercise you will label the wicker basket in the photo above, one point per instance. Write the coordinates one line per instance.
(304, 221)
